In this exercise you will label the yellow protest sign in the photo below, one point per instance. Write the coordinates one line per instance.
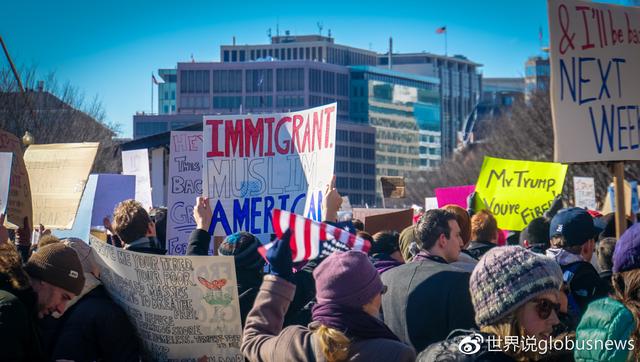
(517, 192)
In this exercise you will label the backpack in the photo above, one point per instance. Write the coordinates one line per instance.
(584, 286)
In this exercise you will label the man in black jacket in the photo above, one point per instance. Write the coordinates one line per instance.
(50, 278)
(134, 227)
(428, 298)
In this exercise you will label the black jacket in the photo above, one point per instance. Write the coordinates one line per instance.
(478, 248)
(425, 301)
(19, 340)
(93, 329)
(148, 246)
(450, 350)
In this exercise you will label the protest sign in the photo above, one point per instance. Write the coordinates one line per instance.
(183, 307)
(516, 192)
(256, 163)
(136, 162)
(456, 195)
(393, 187)
(57, 176)
(594, 80)
(6, 160)
(111, 190)
(630, 199)
(430, 203)
(19, 203)
(396, 220)
(584, 192)
(185, 184)
(82, 223)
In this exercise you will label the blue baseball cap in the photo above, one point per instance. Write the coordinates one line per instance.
(574, 224)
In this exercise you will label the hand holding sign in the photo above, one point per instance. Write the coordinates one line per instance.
(202, 213)
(331, 202)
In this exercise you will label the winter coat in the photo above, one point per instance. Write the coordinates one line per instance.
(384, 262)
(264, 339)
(450, 349)
(94, 328)
(426, 300)
(605, 320)
(146, 245)
(477, 249)
(19, 340)
(465, 262)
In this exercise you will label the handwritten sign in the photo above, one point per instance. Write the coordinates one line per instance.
(183, 308)
(595, 57)
(585, 192)
(19, 203)
(456, 195)
(136, 162)
(185, 184)
(631, 204)
(57, 175)
(255, 163)
(6, 160)
(517, 192)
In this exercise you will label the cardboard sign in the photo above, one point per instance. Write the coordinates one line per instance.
(396, 220)
(255, 163)
(111, 190)
(393, 187)
(19, 204)
(6, 160)
(585, 192)
(57, 175)
(517, 192)
(630, 199)
(136, 162)
(183, 308)
(185, 184)
(456, 195)
(82, 223)
(595, 80)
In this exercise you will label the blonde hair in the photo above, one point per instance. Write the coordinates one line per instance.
(334, 344)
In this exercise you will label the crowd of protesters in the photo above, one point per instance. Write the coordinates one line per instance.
(451, 287)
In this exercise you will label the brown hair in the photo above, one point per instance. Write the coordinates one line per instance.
(334, 344)
(46, 240)
(484, 226)
(464, 221)
(11, 267)
(130, 221)
(626, 290)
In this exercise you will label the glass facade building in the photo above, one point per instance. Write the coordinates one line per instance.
(536, 75)
(167, 91)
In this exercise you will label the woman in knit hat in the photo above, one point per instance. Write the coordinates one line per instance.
(617, 317)
(515, 295)
(345, 326)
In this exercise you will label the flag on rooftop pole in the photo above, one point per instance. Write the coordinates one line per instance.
(441, 30)
(308, 237)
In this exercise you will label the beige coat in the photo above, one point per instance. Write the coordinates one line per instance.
(265, 340)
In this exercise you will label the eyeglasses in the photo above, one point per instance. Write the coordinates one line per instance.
(544, 307)
(384, 289)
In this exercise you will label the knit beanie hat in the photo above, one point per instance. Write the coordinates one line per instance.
(348, 279)
(243, 246)
(507, 277)
(59, 265)
(85, 254)
(626, 255)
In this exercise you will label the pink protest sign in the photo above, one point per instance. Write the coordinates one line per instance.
(456, 195)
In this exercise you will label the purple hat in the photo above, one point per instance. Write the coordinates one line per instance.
(626, 255)
(347, 279)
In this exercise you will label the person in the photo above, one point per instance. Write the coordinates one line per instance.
(408, 243)
(515, 295)
(92, 327)
(465, 261)
(242, 246)
(572, 245)
(604, 252)
(616, 317)
(385, 252)
(535, 236)
(345, 326)
(50, 278)
(159, 217)
(133, 226)
(429, 280)
(484, 233)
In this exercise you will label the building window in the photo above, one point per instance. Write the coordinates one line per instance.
(166, 109)
(229, 103)
(342, 183)
(234, 55)
(342, 166)
(289, 101)
(315, 80)
(258, 101)
(290, 79)
(355, 183)
(259, 80)
(368, 168)
(328, 82)
(355, 152)
(242, 55)
(343, 85)
(368, 153)
(150, 128)
(226, 55)
(194, 81)
(355, 136)
(342, 135)
(227, 81)
(356, 167)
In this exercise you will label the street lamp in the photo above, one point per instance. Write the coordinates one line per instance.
(27, 139)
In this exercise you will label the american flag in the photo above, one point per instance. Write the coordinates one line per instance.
(310, 239)
(441, 30)
(154, 80)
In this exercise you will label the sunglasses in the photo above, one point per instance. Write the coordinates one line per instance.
(544, 307)
(384, 289)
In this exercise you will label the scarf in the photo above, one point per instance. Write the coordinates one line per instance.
(425, 255)
(353, 322)
(383, 262)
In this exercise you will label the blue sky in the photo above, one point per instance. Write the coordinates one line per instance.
(110, 48)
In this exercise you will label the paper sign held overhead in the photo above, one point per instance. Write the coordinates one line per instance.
(136, 162)
(19, 202)
(585, 192)
(57, 175)
(517, 192)
(595, 82)
(456, 195)
(6, 160)
(256, 163)
(393, 187)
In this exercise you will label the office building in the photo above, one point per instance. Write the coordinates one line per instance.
(536, 75)
(167, 91)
